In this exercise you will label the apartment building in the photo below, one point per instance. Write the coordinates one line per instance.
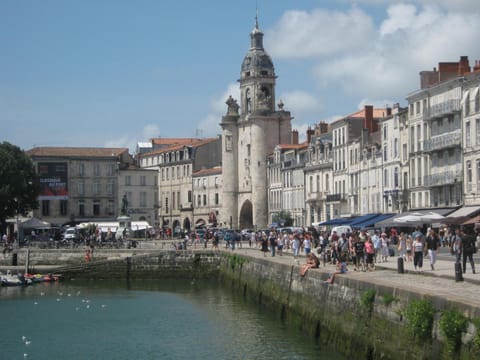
(471, 136)
(207, 199)
(176, 160)
(318, 172)
(79, 184)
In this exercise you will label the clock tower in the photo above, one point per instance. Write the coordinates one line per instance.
(250, 131)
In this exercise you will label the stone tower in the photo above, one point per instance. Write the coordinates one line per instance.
(249, 133)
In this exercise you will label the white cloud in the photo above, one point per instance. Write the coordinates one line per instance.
(302, 34)
(209, 124)
(130, 141)
(408, 41)
(150, 131)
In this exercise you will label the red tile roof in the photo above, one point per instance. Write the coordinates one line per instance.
(206, 172)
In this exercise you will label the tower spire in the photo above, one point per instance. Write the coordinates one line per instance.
(256, 15)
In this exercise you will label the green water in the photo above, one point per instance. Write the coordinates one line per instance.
(143, 320)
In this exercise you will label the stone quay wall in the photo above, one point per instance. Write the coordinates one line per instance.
(360, 318)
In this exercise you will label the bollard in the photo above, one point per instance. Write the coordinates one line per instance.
(400, 268)
(458, 272)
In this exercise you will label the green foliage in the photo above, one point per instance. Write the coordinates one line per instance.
(283, 218)
(19, 184)
(388, 299)
(452, 324)
(476, 339)
(419, 314)
(367, 299)
(235, 261)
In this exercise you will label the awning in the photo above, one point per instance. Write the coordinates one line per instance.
(465, 211)
(474, 220)
(372, 222)
(417, 217)
(337, 221)
(360, 220)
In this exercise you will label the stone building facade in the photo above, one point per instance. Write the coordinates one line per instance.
(79, 184)
(250, 132)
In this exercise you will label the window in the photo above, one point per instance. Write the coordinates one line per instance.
(204, 200)
(96, 188)
(143, 199)
(189, 195)
(477, 129)
(395, 148)
(110, 207)
(396, 178)
(384, 132)
(166, 205)
(96, 169)
(63, 207)
(81, 188)
(143, 180)
(110, 170)
(81, 207)
(96, 207)
(469, 171)
(81, 169)
(110, 185)
(45, 207)
(467, 134)
(385, 177)
(128, 180)
(385, 152)
(216, 199)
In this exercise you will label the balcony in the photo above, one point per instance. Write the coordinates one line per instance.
(443, 141)
(335, 197)
(443, 178)
(444, 108)
(317, 196)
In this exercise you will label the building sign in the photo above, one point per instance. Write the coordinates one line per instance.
(53, 181)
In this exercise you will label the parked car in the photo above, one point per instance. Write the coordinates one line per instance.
(70, 234)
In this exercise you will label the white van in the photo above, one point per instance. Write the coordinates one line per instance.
(341, 229)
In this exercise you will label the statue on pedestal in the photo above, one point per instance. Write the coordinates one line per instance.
(232, 106)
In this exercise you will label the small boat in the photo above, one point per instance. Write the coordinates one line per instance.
(14, 280)
(36, 278)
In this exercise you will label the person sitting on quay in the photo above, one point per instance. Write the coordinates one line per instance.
(312, 262)
(341, 268)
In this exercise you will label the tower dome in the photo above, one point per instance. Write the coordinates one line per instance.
(257, 63)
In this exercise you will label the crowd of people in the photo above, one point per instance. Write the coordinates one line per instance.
(363, 249)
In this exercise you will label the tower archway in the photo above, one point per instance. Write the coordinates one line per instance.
(246, 216)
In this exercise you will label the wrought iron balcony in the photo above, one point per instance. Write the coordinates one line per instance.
(443, 178)
(443, 141)
(444, 108)
(335, 197)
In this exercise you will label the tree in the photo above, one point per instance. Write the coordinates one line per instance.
(283, 218)
(19, 184)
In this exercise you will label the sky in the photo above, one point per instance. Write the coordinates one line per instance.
(113, 73)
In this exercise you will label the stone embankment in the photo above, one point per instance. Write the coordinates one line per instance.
(379, 314)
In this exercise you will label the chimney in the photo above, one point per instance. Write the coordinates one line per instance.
(295, 137)
(389, 111)
(323, 127)
(463, 66)
(368, 120)
(310, 133)
(476, 68)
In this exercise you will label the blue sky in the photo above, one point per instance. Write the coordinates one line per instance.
(113, 72)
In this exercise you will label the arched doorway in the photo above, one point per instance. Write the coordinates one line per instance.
(186, 224)
(246, 216)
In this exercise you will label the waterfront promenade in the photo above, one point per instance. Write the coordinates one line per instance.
(439, 282)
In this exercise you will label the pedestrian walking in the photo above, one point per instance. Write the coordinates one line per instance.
(469, 248)
(418, 253)
(432, 242)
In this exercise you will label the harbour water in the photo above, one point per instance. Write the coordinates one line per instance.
(144, 320)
